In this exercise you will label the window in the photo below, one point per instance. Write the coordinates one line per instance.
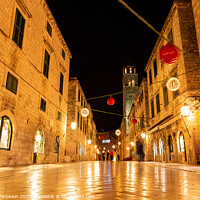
(63, 54)
(181, 142)
(5, 133)
(78, 122)
(170, 36)
(158, 103)
(150, 77)
(81, 100)
(11, 83)
(79, 95)
(152, 109)
(165, 96)
(39, 142)
(81, 124)
(49, 29)
(61, 83)
(155, 68)
(46, 64)
(18, 30)
(59, 116)
(161, 146)
(43, 105)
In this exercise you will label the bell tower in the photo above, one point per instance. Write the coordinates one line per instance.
(130, 89)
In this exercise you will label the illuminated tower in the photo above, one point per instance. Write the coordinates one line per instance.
(130, 88)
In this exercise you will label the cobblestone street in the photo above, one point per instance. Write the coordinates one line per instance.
(101, 180)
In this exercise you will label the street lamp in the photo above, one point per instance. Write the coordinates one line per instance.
(132, 143)
(89, 141)
(119, 143)
(143, 135)
(185, 111)
(73, 125)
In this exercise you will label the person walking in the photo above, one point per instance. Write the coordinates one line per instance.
(107, 155)
(111, 155)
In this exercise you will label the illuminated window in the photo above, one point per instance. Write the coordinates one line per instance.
(161, 146)
(5, 133)
(39, 142)
(155, 148)
(181, 142)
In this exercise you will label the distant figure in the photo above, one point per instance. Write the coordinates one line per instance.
(103, 155)
(107, 155)
(118, 157)
(111, 155)
(140, 151)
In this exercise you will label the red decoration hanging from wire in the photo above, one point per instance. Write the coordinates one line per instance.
(111, 142)
(134, 121)
(101, 136)
(110, 101)
(169, 54)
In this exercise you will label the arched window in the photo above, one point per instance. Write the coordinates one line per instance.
(161, 146)
(39, 142)
(5, 133)
(170, 142)
(155, 148)
(181, 142)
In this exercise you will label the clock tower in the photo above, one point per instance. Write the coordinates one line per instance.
(130, 89)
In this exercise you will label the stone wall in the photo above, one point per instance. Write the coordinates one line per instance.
(26, 64)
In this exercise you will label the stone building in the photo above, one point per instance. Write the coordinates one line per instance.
(34, 73)
(139, 122)
(174, 136)
(80, 130)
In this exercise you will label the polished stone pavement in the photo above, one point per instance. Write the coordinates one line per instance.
(101, 180)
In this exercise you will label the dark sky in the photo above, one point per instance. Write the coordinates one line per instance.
(103, 37)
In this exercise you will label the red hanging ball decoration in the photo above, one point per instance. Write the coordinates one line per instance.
(168, 54)
(101, 136)
(111, 142)
(110, 101)
(134, 121)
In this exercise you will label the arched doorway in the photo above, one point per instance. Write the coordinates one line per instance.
(170, 143)
(39, 145)
(57, 147)
(182, 147)
(155, 150)
(5, 133)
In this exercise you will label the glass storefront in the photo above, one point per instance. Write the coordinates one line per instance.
(5, 133)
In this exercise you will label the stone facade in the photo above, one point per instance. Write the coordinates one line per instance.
(77, 145)
(32, 93)
(172, 137)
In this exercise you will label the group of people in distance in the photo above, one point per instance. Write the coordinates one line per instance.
(108, 156)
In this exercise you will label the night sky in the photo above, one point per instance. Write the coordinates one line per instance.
(103, 37)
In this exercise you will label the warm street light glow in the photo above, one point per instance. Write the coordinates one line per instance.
(119, 143)
(104, 148)
(185, 111)
(73, 125)
(84, 112)
(89, 141)
(113, 146)
(118, 132)
(103, 151)
(132, 143)
(95, 146)
(143, 135)
(127, 148)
